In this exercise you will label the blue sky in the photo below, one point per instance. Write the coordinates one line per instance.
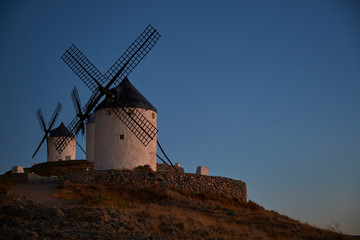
(262, 91)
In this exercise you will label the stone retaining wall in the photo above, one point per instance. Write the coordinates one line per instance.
(168, 168)
(183, 181)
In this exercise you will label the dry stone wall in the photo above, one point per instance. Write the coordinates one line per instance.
(183, 181)
(168, 168)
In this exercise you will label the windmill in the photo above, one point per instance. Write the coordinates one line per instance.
(135, 121)
(90, 126)
(51, 135)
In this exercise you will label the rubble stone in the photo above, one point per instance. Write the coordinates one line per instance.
(169, 180)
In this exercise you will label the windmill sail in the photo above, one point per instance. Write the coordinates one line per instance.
(83, 68)
(94, 80)
(43, 126)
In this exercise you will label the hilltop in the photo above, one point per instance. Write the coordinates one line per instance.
(53, 209)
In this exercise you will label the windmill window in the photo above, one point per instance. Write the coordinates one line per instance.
(67, 157)
(153, 115)
(122, 136)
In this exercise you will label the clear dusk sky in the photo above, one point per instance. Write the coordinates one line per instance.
(267, 92)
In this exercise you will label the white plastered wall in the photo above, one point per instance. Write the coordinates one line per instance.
(69, 153)
(111, 152)
(90, 141)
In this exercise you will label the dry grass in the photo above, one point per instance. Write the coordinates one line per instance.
(57, 168)
(185, 215)
(96, 195)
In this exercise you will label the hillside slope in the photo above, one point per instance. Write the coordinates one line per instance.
(98, 212)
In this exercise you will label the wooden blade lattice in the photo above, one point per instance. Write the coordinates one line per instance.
(76, 101)
(55, 115)
(62, 142)
(41, 119)
(82, 67)
(77, 123)
(51, 122)
(133, 55)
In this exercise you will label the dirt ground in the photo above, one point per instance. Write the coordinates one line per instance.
(40, 193)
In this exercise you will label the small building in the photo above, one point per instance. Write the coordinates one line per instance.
(115, 146)
(69, 153)
(201, 170)
(17, 169)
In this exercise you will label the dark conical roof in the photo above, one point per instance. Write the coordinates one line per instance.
(127, 96)
(60, 131)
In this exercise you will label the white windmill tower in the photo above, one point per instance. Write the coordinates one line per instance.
(90, 138)
(69, 152)
(116, 146)
(52, 135)
(137, 118)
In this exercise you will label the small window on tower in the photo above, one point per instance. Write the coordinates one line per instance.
(121, 136)
(153, 115)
